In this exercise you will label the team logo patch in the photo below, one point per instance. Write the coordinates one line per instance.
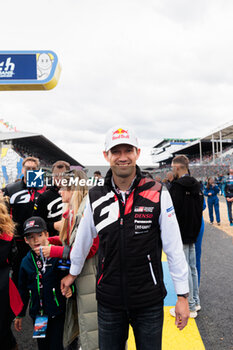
(143, 209)
(30, 224)
(170, 209)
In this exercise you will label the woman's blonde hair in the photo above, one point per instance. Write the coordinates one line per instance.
(79, 192)
(6, 223)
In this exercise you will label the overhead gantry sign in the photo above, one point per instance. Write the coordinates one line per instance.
(28, 70)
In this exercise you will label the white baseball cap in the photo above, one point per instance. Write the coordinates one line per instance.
(119, 135)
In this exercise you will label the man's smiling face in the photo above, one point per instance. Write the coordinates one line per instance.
(122, 159)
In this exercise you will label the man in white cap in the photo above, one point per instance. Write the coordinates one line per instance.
(134, 218)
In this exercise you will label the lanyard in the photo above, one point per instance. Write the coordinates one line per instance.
(43, 260)
(39, 284)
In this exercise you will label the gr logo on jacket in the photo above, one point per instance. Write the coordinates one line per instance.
(49, 206)
(22, 201)
(130, 270)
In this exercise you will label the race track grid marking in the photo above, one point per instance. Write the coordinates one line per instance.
(173, 339)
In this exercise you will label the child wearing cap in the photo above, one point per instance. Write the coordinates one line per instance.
(39, 283)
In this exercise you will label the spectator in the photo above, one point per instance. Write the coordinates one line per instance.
(228, 193)
(188, 203)
(7, 340)
(39, 282)
(49, 204)
(74, 196)
(158, 179)
(98, 176)
(211, 192)
(21, 203)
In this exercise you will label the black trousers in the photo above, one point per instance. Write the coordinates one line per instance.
(7, 339)
(54, 334)
(22, 250)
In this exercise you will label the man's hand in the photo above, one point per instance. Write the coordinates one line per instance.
(18, 324)
(66, 283)
(182, 312)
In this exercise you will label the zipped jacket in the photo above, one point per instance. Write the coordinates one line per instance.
(228, 186)
(131, 236)
(22, 200)
(188, 198)
(214, 190)
(53, 302)
(49, 206)
(129, 270)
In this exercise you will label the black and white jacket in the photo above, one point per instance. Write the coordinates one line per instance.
(131, 235)
(22, 200)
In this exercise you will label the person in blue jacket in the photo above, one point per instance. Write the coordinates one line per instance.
(211, 192)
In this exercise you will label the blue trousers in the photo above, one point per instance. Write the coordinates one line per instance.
(198, 250)
(147, 324)
(193, 299)
(213, 203)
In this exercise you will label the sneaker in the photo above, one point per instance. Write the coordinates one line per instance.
(219, 223)
(211, 223)
(193, 314)
(198, 307)
(172, 312)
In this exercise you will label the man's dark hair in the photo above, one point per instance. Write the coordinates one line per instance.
(97, 172)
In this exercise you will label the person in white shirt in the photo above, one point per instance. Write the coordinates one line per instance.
(135, 219)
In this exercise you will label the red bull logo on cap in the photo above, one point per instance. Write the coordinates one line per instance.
(120, 133)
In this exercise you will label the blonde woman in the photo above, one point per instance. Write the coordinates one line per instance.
(74, 196)
(8, 292)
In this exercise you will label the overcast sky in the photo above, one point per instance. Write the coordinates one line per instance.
(163, 67)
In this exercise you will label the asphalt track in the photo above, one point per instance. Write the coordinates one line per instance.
(213, 328)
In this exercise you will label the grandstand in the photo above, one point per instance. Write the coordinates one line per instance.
(15, 146)
(164, 149)
(208, 155)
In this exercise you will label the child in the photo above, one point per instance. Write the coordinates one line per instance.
(211, 192)
(39, 281)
